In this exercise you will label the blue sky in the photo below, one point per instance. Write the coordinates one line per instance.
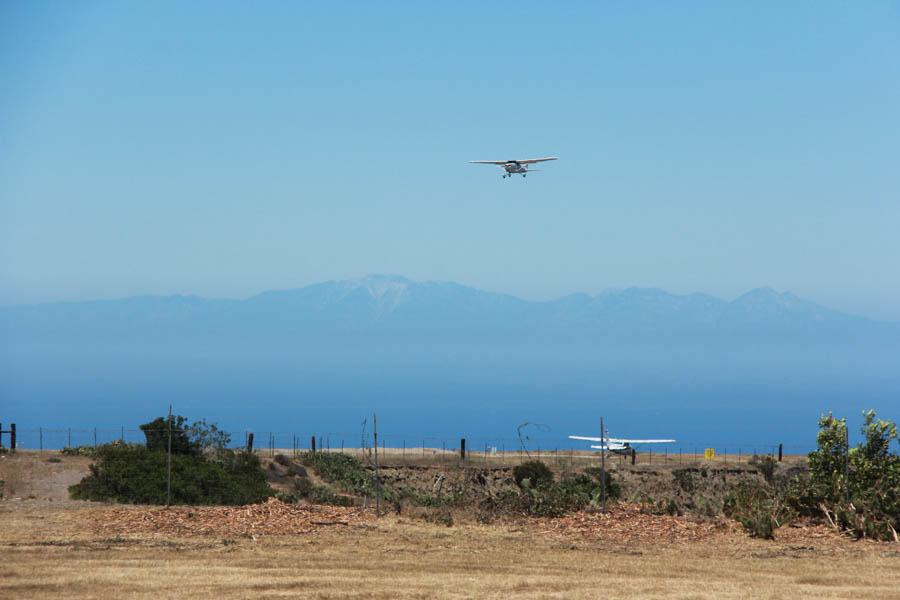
(224, 148)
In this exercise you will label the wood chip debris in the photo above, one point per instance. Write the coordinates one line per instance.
(269, 518)
(627, 522)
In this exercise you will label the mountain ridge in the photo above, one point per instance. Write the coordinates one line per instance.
(393, 289)
(392, 307)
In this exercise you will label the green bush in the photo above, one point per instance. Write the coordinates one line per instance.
(708, 507)
(160, 431)
(85, 450)
(759, 509)
(287, 497)
(859, 490)
(197, 438)
(320, 494)
(567, 496)
(130, 473)
(553, 499)
(341, 470)
(535, 472)
(613, 489)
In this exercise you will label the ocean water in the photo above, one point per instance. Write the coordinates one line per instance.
(492, 397)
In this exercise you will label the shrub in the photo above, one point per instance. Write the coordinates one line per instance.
(537, 473)
(439, 517)
(85, 450)
(707, 507)
(287, 497)
(867, 503)
(766, 466)
(554, 499)
(613, 490)
(341, 470)
(207, 437)
(197, 438)
(131, 473)
(684, 479)
(760, 510)
(665, 506)
(158, 431)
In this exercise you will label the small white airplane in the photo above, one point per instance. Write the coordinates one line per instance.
(617, 445)
(514, 166)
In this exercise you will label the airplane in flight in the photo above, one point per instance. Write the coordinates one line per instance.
(514, 166)
(617, 445)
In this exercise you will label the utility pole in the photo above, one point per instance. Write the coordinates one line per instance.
(169, 464)
(602, 466)
(377, 479)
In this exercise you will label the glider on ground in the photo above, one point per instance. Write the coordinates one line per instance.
(617, 445)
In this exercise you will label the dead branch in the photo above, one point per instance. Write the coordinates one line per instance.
(828, 516)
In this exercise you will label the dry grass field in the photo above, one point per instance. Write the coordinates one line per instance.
(55, 548)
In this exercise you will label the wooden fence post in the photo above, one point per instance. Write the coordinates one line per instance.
(462, 449)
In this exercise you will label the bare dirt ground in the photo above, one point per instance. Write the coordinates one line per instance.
(46, 475)
(53, 547)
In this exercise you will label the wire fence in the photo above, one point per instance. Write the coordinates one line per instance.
(407, 448)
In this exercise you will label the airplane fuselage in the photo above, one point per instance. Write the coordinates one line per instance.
(514, 167)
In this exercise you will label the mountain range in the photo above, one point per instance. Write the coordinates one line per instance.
(391, 308)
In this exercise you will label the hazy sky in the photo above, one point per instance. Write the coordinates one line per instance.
(223, 149)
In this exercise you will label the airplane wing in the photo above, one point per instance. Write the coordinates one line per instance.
(528, 161)
(489, 162)
(609, 440)
(623, 441)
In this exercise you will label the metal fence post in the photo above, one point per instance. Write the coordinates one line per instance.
(168, 462)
